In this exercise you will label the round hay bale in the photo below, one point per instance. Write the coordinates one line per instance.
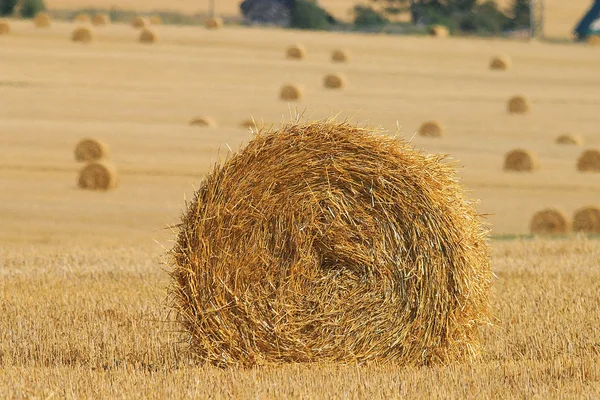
(500, 63)
(147, 36)
(549, 222)
(431, 129)
(98, 176)
(439, 31)
(589, 161)
(42, 20)
(139, 22)
(329, 243)
(101, 19)
(568, 138)
(593, 40)
(295, 52)
(4, 28)
(90, 150)
(587, 220)
(82, 18)
(214, 23)
(204, 122)
(520, 160)
(339, 56)
(334, 81)
(290, 93)
(82, 34)
(518, 105)
(155, 20)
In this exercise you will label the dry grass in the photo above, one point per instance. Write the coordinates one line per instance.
(518, 105)
(334, 81)
(82, 34)
(587, 220)
(549, 222)
(295, 52)
(98, 175)
(147, 36)
(589, 161)
(569, 138)
(42, 20)
(500, 63)
(431, 129)
(520, 160)
(155, 20)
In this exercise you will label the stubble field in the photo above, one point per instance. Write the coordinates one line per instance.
(82, 284)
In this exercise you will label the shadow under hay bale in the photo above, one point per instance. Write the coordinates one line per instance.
(214, 23)
(589, 161)
(82, 18)
(295, 52)
(520, 160)
(549, 222)
(334, 81)
(331, 243)
(339, 56)
(90, 150)
(139, 22)
(147, 36)
(82, 34)
(204, 122)
(568, 138)
(518, 105)
(99, 175)
(290, 93)
(500, 63)
(587, 220)
(431, 129)
(4, 28)
(101, 20)
(42, 20)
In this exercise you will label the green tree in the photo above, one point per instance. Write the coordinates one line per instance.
(7, 7)
(308, 15)
(31, 7)
(520, 14)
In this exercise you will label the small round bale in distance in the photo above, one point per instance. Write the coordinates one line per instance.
(549, 222)
(500, 63)
(214, 23)
(139, 22)
(204, 122)
(339, 56)
(147, 36)
(42, 20)
(431, 129)
(334, 81)
(439, 31)
(82, 34)
(98, 176)
(290, 93)
(324, 242)
(155, 20)
(82, 18)
(520, 160)
(90, 150)
(4, 28)
(569, 138)
(295, 52)
(518, 105)
(587, 220)
(589, 161)
(593, 40)
(101, 20)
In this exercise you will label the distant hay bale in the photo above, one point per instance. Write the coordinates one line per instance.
(518, 105)
(147, 36)
(324, 242)
(82, 18)
(295, 52)
(589, 161)
(155, 20)
(334, 81)
(214, 23)
(568, 138)
(42, 20)
(520, 160)
(500, 63)
(439, 31)
(82, 34)
(290, 93)
(431, 129)
(593, 40)
(4, 28)
(139, 22)
(101, 20)
(339, 56)
(204, 122)
(549, 222)
(587, 220)
(90, 150)
(98, 175)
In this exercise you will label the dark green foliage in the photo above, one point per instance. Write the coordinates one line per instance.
(368, 17)
(307, 15)
(7, 7)
(520, 13)
(29, 8)
(485, 18)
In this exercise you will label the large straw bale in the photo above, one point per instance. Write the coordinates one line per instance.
(569, 138)
(439, 31)
(4, 27)
(339, 56)
(82, 34)
(587, 220)
(42, 20)
(334, 81)
(99, 175)
(290, 93)
(89, 149)
(549, 222)
(589, 161)
(518, 105)
(214, 23)
(295, 52)
(101, 19)
(500, 63)
(327, 242)
(140, 22)
(204, 122)
(520, 160)
(431, 129)
(82, 18)
(147, 36)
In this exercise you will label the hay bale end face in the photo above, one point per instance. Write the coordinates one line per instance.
(4, 28)
(589, 161)
(571, 139)
(520, 160)
(439, 31)
(518, 105)
(101, 20)
(587, 220)
(98, 176)
(42, 20)
(334, 81)
(340, 56)
(82, 18)
(500, 63)
(431, 129)
(148, 36)
(90, 150)
(204, 122)
(549, 222)
(82, 34)
(290, 93)
(214, 23)
(139, 22)
(295, 52)
(331, 243)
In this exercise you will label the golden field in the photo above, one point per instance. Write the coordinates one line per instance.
(82, 285)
